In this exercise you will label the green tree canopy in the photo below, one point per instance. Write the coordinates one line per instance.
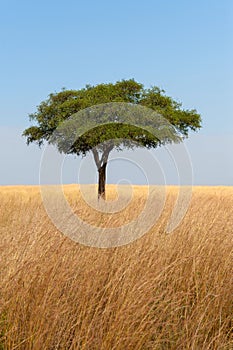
(106, 116)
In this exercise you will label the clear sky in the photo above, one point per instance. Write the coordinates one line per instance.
(184, 47)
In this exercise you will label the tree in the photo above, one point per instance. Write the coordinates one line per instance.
(106, 116)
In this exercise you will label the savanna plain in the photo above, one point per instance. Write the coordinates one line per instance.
(162, 291)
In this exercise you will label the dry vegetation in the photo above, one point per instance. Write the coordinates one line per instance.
(163, 291)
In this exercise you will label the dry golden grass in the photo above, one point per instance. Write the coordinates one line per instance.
(163, 291)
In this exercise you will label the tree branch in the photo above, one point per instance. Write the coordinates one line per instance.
(96, 157)
(105, 153)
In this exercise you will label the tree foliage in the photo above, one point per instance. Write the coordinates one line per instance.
(106, 116)
(62, 105)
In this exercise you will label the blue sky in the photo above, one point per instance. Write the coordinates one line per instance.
(184, 47)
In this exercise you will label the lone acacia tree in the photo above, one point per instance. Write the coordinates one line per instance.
(101, 129)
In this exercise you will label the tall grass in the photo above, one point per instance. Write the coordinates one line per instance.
(163, 291)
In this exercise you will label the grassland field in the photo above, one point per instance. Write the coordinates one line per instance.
(162, 291)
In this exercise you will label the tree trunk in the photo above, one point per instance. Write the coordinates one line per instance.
(101, 163)
(102, 181)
